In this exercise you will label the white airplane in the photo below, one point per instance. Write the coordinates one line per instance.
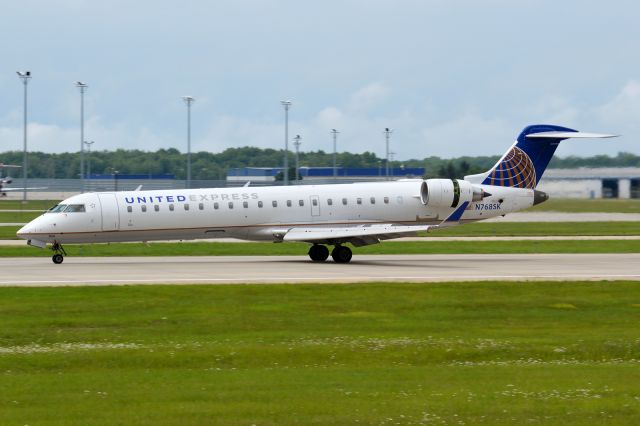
(321, 215)
(8, 180)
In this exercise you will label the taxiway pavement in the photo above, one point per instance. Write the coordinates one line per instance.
(298, 269)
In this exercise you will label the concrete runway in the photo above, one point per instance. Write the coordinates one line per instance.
(298, 269)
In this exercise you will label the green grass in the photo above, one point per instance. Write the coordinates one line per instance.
(576, 205)
(18, 217)
(391, 247)
(29, 205)
(8, 232)
(459, 353)
(505, 229)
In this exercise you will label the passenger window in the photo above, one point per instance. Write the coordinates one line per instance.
(186, 206)
(329, 202)
(260, 204)
(301, 203)
(288, 203)
(144, 208)
(245, 204)
(344, 201)
(171, 207)
(373, 200)
(314, 202)
(359, 201)
(129, 209)
(216, 206)
(230, 205)
(156, 208)
(274, 203)
(386, 200)
(201, 206)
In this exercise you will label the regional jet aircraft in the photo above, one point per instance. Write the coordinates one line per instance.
(7, 180)
(321, 215)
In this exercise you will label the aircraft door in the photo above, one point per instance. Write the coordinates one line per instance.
(110, 214)
(315, 205)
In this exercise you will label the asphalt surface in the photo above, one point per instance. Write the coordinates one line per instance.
(298, 269)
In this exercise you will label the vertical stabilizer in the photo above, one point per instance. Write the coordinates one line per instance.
(523, 165)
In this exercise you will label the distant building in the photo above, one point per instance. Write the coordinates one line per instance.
(610, 182)
(614, 182)
(324, 174)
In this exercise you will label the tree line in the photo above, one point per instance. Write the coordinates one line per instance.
(213, 166)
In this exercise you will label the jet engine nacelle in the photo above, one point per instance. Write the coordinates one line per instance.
(449, 192)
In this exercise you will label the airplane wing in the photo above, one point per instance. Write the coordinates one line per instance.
(21, 189)
(362, 235)
(358, 235)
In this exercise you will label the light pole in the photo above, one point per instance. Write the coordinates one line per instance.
(188, 100)
(286, 105)
(387, 135)
(115, 180)
(296, 142)
(25, 77)
(89, 143)
(334, 132)
(82, 86)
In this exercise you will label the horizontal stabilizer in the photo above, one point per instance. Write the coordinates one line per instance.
(567, 135)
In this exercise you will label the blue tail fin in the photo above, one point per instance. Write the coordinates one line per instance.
(523, 165)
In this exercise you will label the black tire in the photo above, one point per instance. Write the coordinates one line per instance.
(318, 253)
(341, 254)
(57, 258)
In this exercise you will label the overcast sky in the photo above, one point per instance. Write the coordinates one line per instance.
(450, 77)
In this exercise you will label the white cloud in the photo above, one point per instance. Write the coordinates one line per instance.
(624, 109)
(415, 136)
(367, 98)
(468, 134)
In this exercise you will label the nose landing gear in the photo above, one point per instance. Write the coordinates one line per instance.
(59, 251)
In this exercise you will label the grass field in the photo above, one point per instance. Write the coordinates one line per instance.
(29, 205)
(505, 229)
(300, 249)
(17, 217)
(604, 205)
(460, 353)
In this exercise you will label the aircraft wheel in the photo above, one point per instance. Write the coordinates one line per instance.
(318, 253)
(341, 254)
(57, 259)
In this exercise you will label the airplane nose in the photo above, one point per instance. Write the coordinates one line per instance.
(25, 231)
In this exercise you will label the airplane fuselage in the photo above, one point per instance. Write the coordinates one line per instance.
(259, 213)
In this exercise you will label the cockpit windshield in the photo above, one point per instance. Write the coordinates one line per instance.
(57, 209)
(75, 208)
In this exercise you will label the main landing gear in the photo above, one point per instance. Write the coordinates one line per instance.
(340, 254)
(59, 251)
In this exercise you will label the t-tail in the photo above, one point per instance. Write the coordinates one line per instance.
(523, 165)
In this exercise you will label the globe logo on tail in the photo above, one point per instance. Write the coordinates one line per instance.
(515, 170)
